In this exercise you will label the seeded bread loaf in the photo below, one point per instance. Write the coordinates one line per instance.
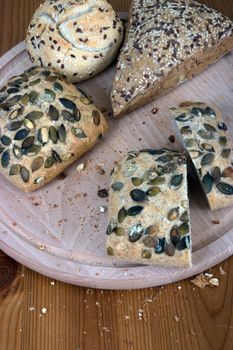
(167, 43)
(149, 209)
(205, 138)
(45, 125)
(77, 38)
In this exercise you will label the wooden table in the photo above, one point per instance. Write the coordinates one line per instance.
(37, 313)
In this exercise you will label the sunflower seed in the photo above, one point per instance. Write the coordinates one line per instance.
(21, 134)
(66, 157)
(53, 113)
(195, 154)
(184, 243)
(169, 249)
(138, 195)
(17, 152)
(176, 181)
(5, 140)
(117, 186)
(119, 231)
(209, 111)
(24, 174)
(50, 161)
(28, 124)
(135, 232)
(152, 230)
(43, 135)
(146, 254)
(56, 156)
(206, 135)
(67, 103)
(34, 115)
(153, 191)
(173, 214)
(197, 111)
(14, 170)
(226, 153)
(186, 130)
(225, 188)
(48, 96)
(28, 142)
(122, 215)
(184, 217)
(150, 241)
(39, 180)
(174, 235)
(62, 133)
(184, 118)
(207, 147)
(216, 174)
(159, 249)
(111, 226)
(78, 133)
(136, 181)
(183, 229)
(37, 163)
(33, 97)
(207, 159)
(207, 183)
(110, 251)
(57, 87)
(53, 134)
(222, 140)
(133, 211)
(222, 126)
(96, 117)
(209, 127)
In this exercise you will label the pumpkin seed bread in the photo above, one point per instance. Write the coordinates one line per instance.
(45, 125)
(168, 42)
(149, 209)
(77, 38)
(205, 137)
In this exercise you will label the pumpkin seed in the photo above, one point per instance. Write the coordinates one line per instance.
(111, 226)
(17, 152)
(150, 241)
(51, 78)
(207, 183)
(34, 82)
(135, 232)
(207, 147)
(50, 161)
(146, 254)
(183, 229)
(12, 90)
(119, 231)
(190, 142)
(33, 97)
(169, 249)
(37, 163)
(25, 99)
(207, 159)
(14, 170)
(174, 235)
(176, 181)
(21, 134)
(195, 154)
(159, 249)
(117, 186)
(153, 152)
(78, 133)
(28, 142)
(206, 135)
(159, 180)
(209, 127)
(28, 124)
(5, 140)
(153, 191)
(197, 111)
(48, 96)
(186, 130)
(62, 133)
(216, 174)
(228, 172)
(110, 251)
(3, 89)
(53, 134)
(77, 115)
(173, 214)
(14, 125)
(226, 153)
(24, 174)
(150, 174)
(225, 188)
(58, 87)
(13, 100)
(53, 113)
(70, 117)
(15, 113)
(39, 180)
(43, 135)
(133, 211)
(136, 181)
(209, 111)
(67, 156)
(122, 214)
(165, 159)
(34, 115)
(167, 169)
(184, 217)
(152, 230)
(138, 195)
(222, 140)
(67, 103)
(222, 126)
(96, 117)
(184, 118)
(32, 151)
(1, 149)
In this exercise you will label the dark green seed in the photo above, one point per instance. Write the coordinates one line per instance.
(67, 103)
(28, 142)
(51, 79)
(122, 214)
(165, 159)
(135, 233)
(117, 186)
(37, 163)
(33, 97)
(24, 174)
(50, 161)
(53, 113)
(184, 217)
(138, 195)
(150, 241)
(184, 243)
(183, 229)
(96, 117)
(146, 254)
(57, 86)
(56, 156)
(13, 100)
(15, 170)
(173, 214)
(226, 153)
(133, 211)
(225, 188)
(207, 183)
(190, 142)
(119, 231)
(78, 133)
(168, 168)
(5, 140)
(197, 111)
(34, 82)
(177, 180)
(14, 125)
(222, 140)
(34, 115)
(207, 159)
(209, 127)
(53, 134)
(159, 249)
(12, 90)
(110, 251)
(77, 114)
(174, 235)
(32, 151)
(169, 249)
(21, 134)
(153, 191)
(67, 115)
(111, 227)
(25, 99)
(48, 95)
(186, 130)
(209, 111)
(216, 174)
(136, 181)
(159, 180)
(206, 135)
(62, 133)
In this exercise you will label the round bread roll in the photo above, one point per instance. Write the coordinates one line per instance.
(78, 38)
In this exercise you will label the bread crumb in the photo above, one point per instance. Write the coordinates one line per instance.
(31, 308)
(177, 318)
(80, 167)
(43, 310)
(214, 282)
(221, 271)
(216, 222)
(200, 281)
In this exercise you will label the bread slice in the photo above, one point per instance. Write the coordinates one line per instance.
(149, 209)
(167, 42)
(206, 139)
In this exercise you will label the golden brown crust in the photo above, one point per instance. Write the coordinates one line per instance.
(45, 124)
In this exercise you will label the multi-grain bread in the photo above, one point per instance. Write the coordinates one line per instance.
(168, 42)
(77, 38)
(205, 137)
(45, 125)
(149, 209)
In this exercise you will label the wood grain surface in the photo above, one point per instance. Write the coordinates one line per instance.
(37, 313)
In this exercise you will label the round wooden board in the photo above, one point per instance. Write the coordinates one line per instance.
(59, 230)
